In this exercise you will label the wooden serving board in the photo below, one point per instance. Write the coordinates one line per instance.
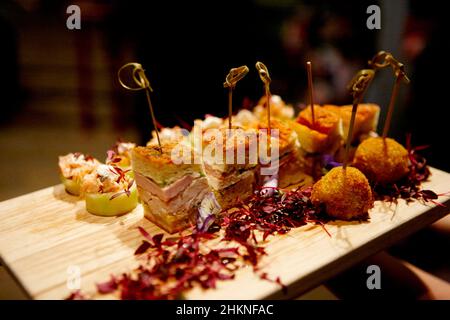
(47, 234)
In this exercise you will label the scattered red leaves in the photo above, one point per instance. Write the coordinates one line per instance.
(143, 247)
(173, 266)
(276, 214)
(76, 295)
(108, 286)
(121, 173)
(121, 177)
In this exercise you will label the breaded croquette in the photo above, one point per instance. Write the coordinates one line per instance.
(382, 160)
(345, 193)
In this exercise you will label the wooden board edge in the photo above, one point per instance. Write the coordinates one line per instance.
(16, 280)
(361, 253)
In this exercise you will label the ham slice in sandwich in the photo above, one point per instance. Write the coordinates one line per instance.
(170, 190)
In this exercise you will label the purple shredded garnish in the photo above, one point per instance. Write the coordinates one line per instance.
(207, 212)
(173, 266)
(270, 184)
(329, 162)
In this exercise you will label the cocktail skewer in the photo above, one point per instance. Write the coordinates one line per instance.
(141, 80)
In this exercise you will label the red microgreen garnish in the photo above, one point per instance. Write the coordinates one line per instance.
(120, 172)
(86, 157)
(108, 286)
(173, 266)
(76, 295)
(277, 281)
(122, 176)
(118, 194)
(409, 188)
(143, 247)
(276, 214)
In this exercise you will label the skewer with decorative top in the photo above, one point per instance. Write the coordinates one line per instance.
(384, 59)
(232, 78)
(357, 87)
(379, 60)
(265, 78)
(142, 83)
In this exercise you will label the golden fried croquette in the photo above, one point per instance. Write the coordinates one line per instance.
(382, 160)
(345, 193)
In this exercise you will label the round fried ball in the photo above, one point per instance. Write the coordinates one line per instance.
(345, 193)
(382, 160)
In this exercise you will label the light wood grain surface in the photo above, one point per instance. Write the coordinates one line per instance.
(46, 233)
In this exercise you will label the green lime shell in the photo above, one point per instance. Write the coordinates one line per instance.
(101, 204)
(72, 186)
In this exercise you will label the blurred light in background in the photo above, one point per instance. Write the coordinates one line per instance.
(60, 91)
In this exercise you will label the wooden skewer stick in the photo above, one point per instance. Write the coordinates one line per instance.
(387, 123)
(265, 78)
(350, 131)
(311, 90)
(232, 78)
(381, 60)
(147, 91)
(357, 87)
(230, 106)
(141, 80)
(400, 75)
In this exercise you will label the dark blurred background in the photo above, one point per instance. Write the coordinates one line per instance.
(60, 94)
(60, 91)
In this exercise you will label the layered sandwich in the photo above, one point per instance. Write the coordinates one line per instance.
(293, 165)
(230, 162)
(171, 185)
